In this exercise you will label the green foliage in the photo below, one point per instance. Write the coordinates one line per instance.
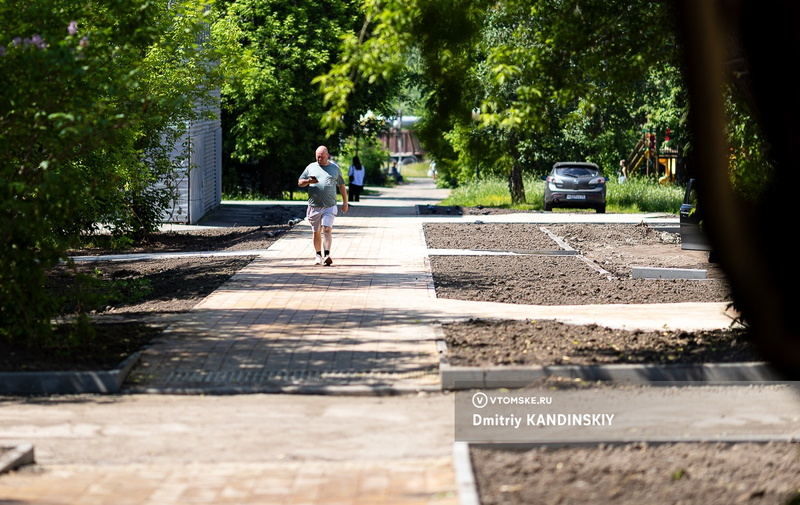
(417, 170)
(92, 95)
(272, 114)
(644, 195)
(493, 192)
(513, 86)
(679, 474)
(752, 171)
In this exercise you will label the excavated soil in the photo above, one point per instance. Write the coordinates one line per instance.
(131, 301)
(635, 474)
(599, 273)
(542, 274)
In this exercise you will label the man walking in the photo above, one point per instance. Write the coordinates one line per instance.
(322, 178)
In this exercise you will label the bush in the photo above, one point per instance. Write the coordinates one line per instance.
(91, 95)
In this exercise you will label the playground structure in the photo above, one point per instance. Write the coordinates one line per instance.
(649, 159)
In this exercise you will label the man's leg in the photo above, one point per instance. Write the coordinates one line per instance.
(327, 234)
(318, 240)
(327, 240)
(315, 220)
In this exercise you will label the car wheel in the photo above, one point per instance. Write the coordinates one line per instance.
(548, 206)
(601, 209)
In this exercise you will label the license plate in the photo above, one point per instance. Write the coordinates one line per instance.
(576, 197)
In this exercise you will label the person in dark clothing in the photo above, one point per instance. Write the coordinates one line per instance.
(356, 176)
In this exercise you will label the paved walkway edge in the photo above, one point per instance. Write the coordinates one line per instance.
(465, 475)
(17, 456)
(464, 377)
(38, 383)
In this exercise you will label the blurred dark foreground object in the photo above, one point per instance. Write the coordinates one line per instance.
(754, 45)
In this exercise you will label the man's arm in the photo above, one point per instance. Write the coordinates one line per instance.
(343, 191)
(305, 182)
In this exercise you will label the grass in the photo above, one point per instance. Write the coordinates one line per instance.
(636, 195)
(255, 196)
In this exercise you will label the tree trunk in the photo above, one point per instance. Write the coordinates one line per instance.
(515, 185)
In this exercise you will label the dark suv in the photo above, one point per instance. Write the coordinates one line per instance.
(575, 185)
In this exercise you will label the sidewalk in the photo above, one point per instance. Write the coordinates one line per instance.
(284, 324)
(364, 326)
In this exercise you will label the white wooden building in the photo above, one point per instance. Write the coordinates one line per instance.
(199, 185)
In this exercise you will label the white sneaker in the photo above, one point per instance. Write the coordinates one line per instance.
(327, 261)
(318, 260)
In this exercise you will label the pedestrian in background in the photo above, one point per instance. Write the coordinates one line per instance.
(356, 176)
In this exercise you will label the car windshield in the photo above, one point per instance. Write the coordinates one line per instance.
(577, 171)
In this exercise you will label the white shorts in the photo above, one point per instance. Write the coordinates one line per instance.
(321, 216)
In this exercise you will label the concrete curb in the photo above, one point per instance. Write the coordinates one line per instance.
(321, 390)
(464, 377)
(36, 383)
(465, 475)
(668, 273)
(15, 457)
(155, 256)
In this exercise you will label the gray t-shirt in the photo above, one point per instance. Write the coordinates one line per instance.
(323, 193)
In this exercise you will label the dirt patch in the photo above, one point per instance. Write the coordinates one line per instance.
(546, 343)
(708, 474)
(150, 286)
(600, 274)
(111, 344)
(240, 238)
(627, 474)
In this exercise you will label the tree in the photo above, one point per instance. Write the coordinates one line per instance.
(518, 63)
(272, 116)
(95, 95)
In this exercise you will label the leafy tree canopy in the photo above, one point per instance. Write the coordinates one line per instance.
(272, 115)
(567, 68)
(95, 96)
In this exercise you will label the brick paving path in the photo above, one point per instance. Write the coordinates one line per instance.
(283, 322)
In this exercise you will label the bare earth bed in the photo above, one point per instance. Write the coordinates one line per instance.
(134, 300)
(601, 276)
(636, 474)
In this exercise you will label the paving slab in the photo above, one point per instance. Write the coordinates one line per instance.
(162, 449)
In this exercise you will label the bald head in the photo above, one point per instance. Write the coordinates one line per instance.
(322, 156)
